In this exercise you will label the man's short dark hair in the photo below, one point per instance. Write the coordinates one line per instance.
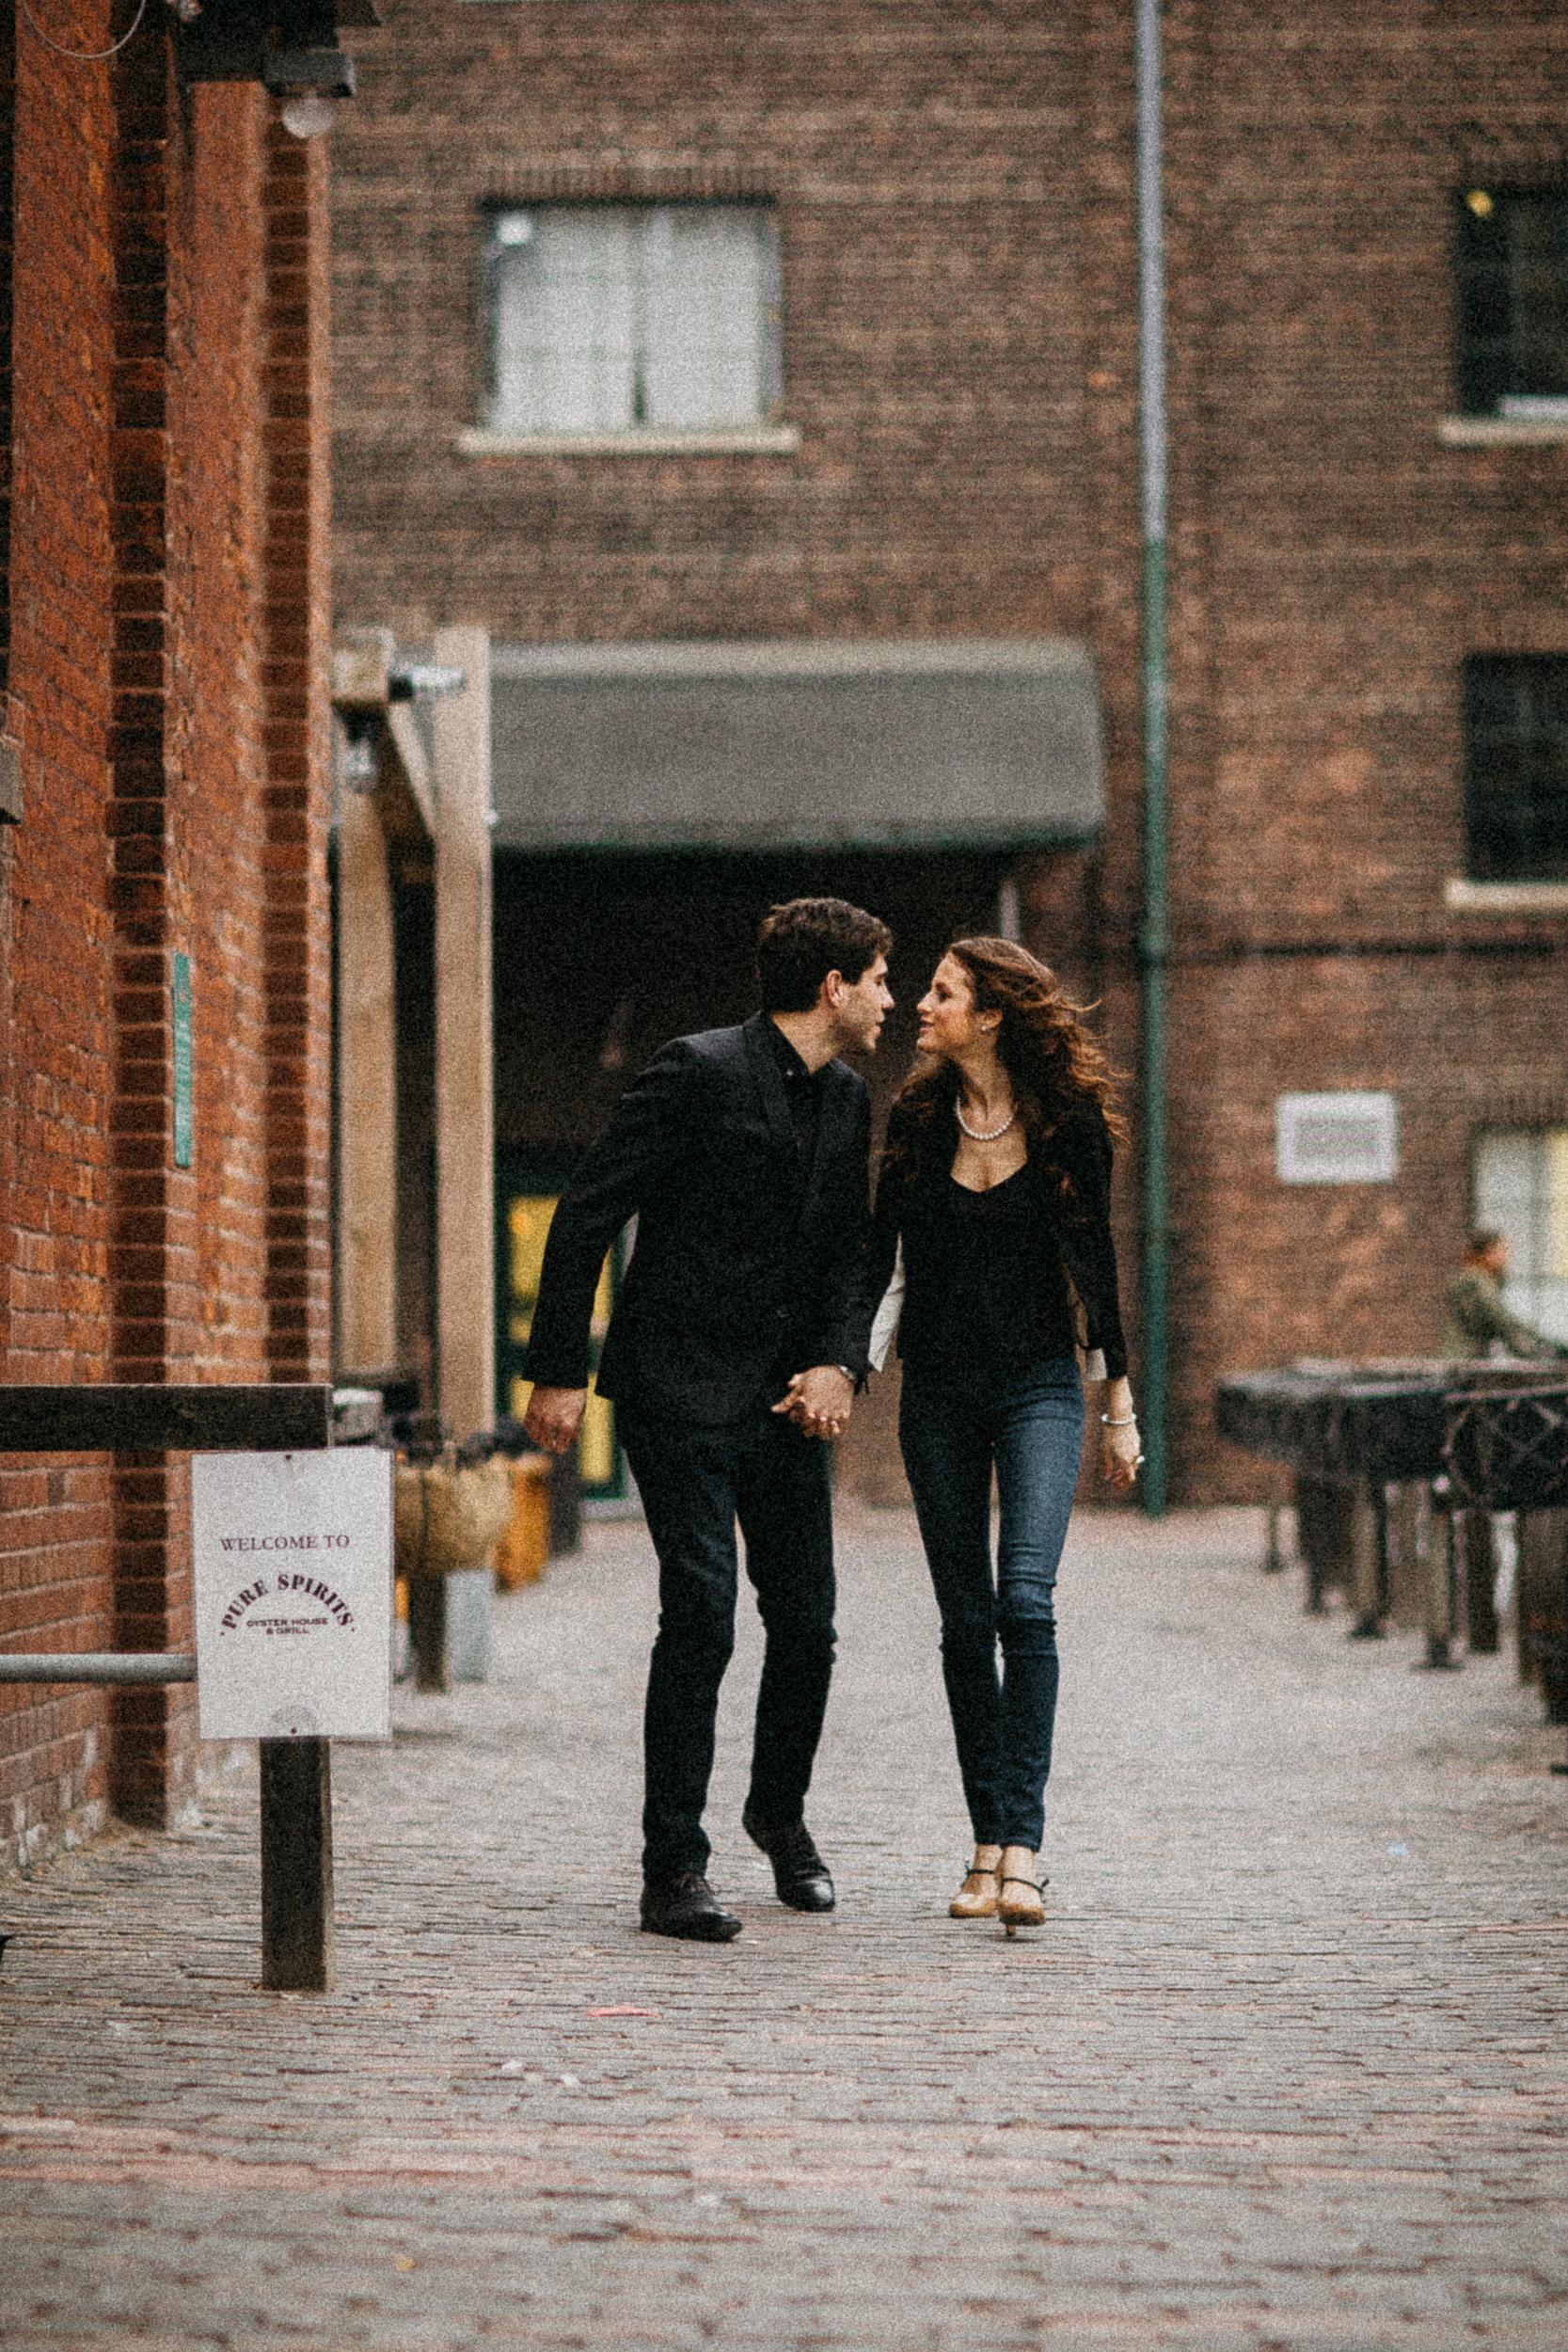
(1481, 1239)
(804, 940)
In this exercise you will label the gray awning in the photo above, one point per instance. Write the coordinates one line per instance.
(808, 743)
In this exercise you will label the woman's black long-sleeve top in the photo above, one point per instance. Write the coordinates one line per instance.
(1059, 1228)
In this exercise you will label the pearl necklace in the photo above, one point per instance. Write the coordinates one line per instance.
(974, 1132)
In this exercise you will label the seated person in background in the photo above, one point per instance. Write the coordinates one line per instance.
(1475, 1321)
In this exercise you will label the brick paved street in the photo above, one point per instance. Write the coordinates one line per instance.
(1285, 2069)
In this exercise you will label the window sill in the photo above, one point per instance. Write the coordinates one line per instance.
(1503, 432)
(1506, 898)
(740, 440)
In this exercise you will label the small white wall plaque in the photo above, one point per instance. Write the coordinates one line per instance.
(1336, 1139)
(294, 1594)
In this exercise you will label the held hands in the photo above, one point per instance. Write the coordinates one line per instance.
(818, 1401)
(554, 1417)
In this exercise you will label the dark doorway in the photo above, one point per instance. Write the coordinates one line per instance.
(600, 960)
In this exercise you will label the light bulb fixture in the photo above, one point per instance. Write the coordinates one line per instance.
(309, 82)
(309, 114)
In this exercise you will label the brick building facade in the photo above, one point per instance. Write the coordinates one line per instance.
(166, 680)
(951, 450)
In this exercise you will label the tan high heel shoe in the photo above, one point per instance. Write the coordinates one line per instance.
(976, 1899)
(1018, 1904)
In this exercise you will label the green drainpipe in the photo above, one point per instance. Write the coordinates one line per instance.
(1154, 936)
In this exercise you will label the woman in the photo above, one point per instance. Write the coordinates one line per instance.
(994, 1204)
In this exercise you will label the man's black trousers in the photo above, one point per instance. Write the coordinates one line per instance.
(695, 1483)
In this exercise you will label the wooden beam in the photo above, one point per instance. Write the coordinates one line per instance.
(97, 1665)
(282, 1417)
(464, 1120)
(361, 669)
(297, 1940)
(411, 816)
(366, 1090)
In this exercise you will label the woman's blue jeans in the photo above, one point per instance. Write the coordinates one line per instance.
(953, 1426)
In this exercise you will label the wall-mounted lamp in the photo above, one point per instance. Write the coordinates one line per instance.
(289, 45)
(310, 83)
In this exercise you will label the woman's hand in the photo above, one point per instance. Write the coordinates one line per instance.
(1120, 1448)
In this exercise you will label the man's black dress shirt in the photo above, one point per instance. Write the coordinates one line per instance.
(803, 1089)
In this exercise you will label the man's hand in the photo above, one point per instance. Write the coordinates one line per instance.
(554, 1417)
(818, 1401)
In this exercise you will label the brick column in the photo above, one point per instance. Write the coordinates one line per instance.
(7, 246)
(296, 685)
(152, 1203)
(8, 249)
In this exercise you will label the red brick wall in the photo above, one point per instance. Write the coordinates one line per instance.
(8, 221)
(925, 160)
(56, 1515)
(953, 184)
(1270, 1271)
(1333, 564)
(168, 591)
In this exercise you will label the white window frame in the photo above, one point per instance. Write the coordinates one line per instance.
(1534, 1216)
(637, 345)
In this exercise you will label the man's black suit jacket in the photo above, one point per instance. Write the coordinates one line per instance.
(746, 1259)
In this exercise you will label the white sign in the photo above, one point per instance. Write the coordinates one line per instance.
(294, 1594)
(1336, 1139)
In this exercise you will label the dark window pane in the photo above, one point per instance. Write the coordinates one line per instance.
(1512, 261)
(1516, 767)
(1483, 307)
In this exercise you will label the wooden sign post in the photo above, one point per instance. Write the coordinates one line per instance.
(293, 1646)
(294, 1576)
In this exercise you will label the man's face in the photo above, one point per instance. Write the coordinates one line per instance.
(861, 1006)
(1495, 1258)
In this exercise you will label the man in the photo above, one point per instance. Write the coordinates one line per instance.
(734, 1351)
(1475, 1321)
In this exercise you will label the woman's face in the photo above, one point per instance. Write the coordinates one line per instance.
(948, 1023)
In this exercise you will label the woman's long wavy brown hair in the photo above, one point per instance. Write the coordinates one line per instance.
(1057, 1067)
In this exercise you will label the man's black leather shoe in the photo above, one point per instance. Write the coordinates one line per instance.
(799, 1873)
(686, 1906)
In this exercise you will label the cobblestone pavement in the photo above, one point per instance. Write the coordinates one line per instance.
(1284, 2070)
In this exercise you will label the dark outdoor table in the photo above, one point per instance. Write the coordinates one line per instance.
(1500, 1430)
(1492, 1437)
